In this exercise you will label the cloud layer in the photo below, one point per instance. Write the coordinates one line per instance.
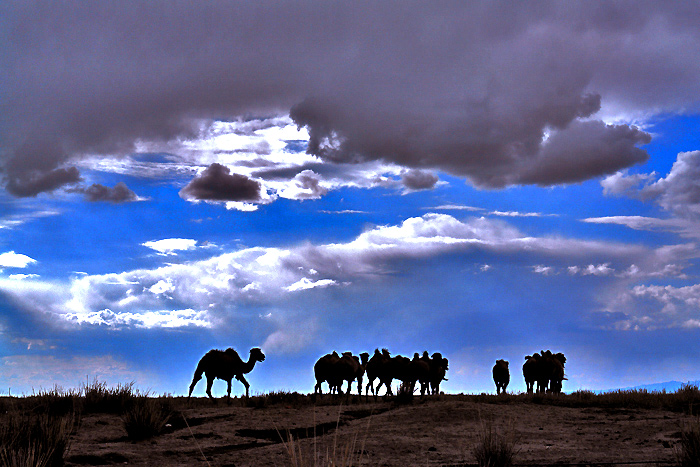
(203, 293)
(498, 94)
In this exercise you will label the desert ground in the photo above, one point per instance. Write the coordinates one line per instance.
(435, 431)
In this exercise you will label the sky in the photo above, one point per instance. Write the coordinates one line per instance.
(480, 179)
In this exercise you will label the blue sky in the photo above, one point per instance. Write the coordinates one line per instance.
(468, 179)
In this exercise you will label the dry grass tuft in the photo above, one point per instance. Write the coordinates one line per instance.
(688, 450)
(346, 455)
(495, 449)
(99, 398)
(146, 417)
(37, 440)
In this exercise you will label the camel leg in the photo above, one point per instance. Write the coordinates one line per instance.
(194, 383)
(210, 381)
(245, 383)
(228, 391)
(387, 385)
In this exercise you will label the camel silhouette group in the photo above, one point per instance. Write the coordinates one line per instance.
(546, 369)
(334, 369)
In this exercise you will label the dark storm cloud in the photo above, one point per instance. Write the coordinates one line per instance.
(216, 183)
(32, 183)
(418, 180)
(467, 88)
(592, 148)
(119, 194)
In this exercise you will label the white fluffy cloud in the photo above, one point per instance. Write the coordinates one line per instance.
(169, 246)
(205, 290)
(10, 259)
(678, 194)
(650, 307)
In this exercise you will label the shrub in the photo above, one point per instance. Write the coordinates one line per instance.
(146, 417)
(404, 395)
(38, 440)
(494, 449)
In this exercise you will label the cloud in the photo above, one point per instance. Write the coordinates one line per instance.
(544, 270)
(13, 221)
(518, 214)
(28, 373)
(36, 343)
(305, 283)
(11, 259)
(651, 307)
(622, 184)
(457, 88)
(415, 180)
(586, 150)
(201, 293)
(647, 223)
(169, 246)
(32, 183)
(305, 185)
(454, 207)
(119, 194)
(216, 183)
(148, 319)
(677, 193)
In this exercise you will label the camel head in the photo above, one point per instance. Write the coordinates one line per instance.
(257, 355)
(364, 356)
(502, 363)
(560, 356)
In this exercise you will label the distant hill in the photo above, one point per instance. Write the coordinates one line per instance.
(668, 386)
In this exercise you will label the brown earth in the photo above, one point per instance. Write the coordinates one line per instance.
(434, 432)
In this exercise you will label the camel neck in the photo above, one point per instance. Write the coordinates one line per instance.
(248, 366)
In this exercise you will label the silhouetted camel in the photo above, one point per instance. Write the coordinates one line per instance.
(438, 370)
(501, 375)
(374, 369)
(546, 369)
(323, 371)
(419, 371)
(393, 368)
(225, 365)
(553, 370)
(349, 368)
(531, 369)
